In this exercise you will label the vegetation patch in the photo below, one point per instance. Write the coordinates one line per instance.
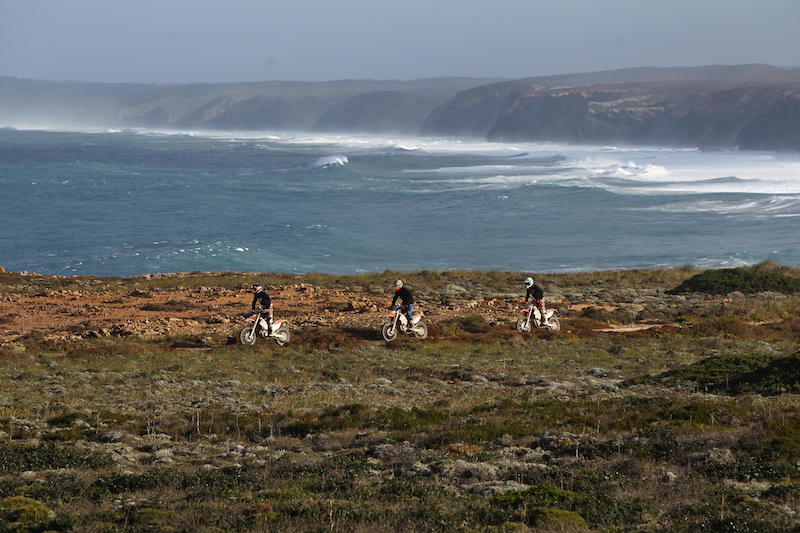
(747, 280)
(733, 374)
(16, 458)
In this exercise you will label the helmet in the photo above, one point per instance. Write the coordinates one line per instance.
(398, 284)
(256, 287)
(529, 282)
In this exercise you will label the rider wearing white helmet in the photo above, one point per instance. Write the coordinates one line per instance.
(536, 294)
(406, 297)
(262, 298)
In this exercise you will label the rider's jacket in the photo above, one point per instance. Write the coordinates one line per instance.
(535, 293)
(405, 295)
(262, 297)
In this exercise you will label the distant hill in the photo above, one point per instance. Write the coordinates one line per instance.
(754, 107)
(747, 106)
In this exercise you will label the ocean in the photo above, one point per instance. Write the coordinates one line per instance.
(125, 203)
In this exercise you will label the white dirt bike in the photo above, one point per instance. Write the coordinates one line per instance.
(398, 322)
(534, 317)
(259, 326)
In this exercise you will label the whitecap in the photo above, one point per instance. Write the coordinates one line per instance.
(329, 161)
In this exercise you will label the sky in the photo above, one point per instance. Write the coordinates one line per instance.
(187, 41)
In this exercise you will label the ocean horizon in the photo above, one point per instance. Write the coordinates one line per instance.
(133, 202)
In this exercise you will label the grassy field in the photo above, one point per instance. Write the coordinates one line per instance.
(687, 422)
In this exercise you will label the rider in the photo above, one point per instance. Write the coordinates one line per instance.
(536, 294)
(406, 296)
(259, 296)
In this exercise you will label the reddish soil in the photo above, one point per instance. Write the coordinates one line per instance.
(69, 315)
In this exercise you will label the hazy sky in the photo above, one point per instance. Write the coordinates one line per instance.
(166, 41)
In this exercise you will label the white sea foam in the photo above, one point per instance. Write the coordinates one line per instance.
(328, 161)
(783, 206)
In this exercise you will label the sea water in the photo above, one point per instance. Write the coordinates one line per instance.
(122, 203)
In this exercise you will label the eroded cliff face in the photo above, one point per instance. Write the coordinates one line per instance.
(377, 112)
(777, 128)
(745, 112)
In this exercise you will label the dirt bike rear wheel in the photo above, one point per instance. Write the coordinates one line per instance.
(247, 336)
(523, 325)
(421, 330)
(282, 336)
(389, 331)
(553, 324)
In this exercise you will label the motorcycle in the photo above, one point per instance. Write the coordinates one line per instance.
(398, 321)
(277, 330)
(534, 316)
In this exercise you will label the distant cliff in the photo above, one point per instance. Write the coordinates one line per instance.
(752, 107)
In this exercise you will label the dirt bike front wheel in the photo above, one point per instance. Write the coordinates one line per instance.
(421, 330)
(282, 336)
(247, 336)
(553, 324)
(389, 331)
(523, 325)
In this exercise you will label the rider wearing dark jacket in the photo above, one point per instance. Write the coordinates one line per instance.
(262, 298)
(536, 294)
(405, 295)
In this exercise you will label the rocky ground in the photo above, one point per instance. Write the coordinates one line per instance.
(219, 312)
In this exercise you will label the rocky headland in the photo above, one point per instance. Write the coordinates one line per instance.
(749, 107)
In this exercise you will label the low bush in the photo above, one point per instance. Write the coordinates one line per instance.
(744, 280)
(733, 374)
(16, 458)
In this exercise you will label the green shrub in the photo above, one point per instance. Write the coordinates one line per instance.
(20, 510)
(744, 280)
(556, 519)
(739, 373)
(16, 458)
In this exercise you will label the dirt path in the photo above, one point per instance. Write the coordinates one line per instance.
(70, 315)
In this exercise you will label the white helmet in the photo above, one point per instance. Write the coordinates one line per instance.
(529, 282)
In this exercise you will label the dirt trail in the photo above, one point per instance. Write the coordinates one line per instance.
(69, 315)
